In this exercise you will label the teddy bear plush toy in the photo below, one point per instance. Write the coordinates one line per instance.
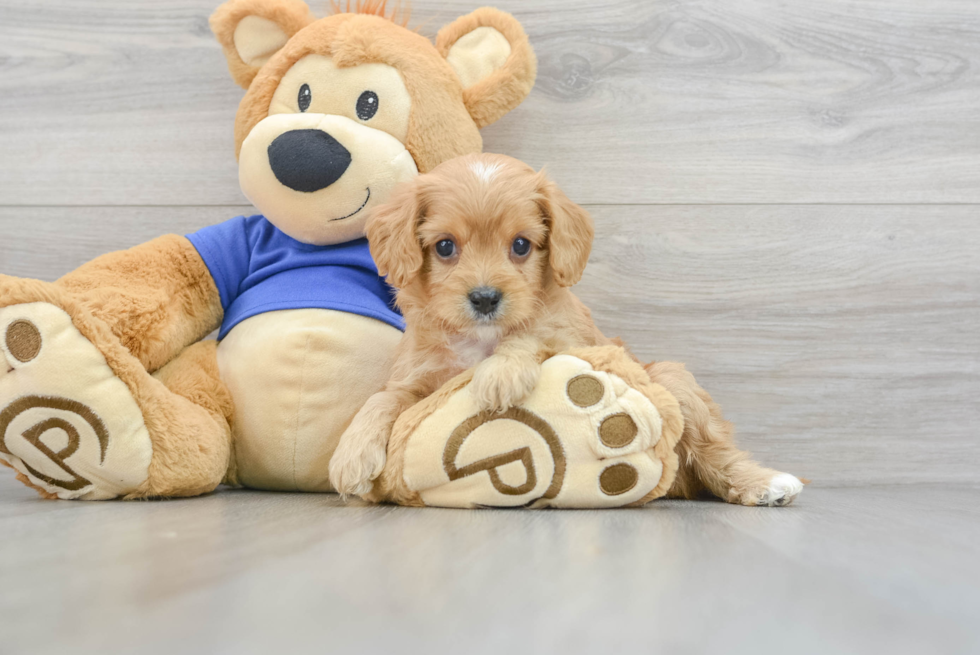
(110, 390)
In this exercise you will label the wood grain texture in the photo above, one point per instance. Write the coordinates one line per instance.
(842, 340)
(47, 242)
(114, 102)
(850, 571)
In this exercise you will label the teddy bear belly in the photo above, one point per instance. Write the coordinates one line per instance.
(297, 378)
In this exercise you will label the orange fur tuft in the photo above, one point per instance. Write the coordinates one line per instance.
(399, 13)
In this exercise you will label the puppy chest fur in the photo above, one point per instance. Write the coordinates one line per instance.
(471, 349)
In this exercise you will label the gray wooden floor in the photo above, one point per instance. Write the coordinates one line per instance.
(889, 569)
(787, 198)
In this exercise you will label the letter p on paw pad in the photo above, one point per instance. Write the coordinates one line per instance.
(583, 438)
(66, 421)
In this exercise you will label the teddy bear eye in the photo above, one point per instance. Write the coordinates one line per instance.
(305, 97)
(367, 105)
(445, 248)
(521, 246)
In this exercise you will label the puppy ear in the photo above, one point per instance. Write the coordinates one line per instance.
(392, 234)
(570, 232)
(251, 31)
(491, 55)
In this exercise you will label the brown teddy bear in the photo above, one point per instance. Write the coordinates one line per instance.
(108, 389)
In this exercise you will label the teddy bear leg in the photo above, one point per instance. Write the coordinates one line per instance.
(594, 432)
(157, 298)
(69, 423)
(80, 417)
(708, 456)
(196, 458)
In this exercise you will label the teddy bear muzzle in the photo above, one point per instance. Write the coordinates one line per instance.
(315, 176)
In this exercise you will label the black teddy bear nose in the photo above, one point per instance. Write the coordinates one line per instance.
(308, 160)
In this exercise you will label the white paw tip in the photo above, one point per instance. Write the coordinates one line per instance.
(355, 491)
(783, 488)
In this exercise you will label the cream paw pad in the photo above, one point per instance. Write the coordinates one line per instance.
(595, 432)
(67, 422)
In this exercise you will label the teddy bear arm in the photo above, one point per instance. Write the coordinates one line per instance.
(157, 297)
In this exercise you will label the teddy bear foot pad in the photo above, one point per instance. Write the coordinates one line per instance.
(584, 438)
(67, 422)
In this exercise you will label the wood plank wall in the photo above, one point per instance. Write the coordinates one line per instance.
(787, 193)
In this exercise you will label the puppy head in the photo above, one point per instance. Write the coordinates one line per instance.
(479, 242)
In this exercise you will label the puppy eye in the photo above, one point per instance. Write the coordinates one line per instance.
(367, 105)
(521, 246)
(305, 97)
(446, 248)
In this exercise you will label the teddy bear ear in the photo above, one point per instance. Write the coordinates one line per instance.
(251, 31)
(491, 55)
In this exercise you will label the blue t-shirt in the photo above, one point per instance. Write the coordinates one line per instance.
(258, 269)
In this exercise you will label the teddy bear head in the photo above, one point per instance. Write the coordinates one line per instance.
(337, 111)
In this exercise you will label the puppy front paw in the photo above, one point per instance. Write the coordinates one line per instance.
(355, 464)
(502, 382)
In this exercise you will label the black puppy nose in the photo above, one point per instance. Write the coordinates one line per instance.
(307, 160)
(485, 299)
